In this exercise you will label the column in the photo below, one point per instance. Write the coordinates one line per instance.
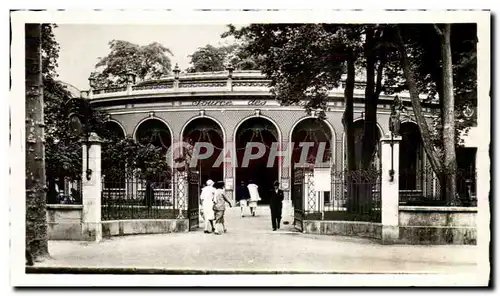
(91, 189)
(181, 193)
(285, 163)
(390, 189)
(228, 164)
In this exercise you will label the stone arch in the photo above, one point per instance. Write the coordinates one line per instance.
(358, 121)
(146, 119)
(206, 129)
(248, 130)
(411, 157)
(116, 127)
(331, 137)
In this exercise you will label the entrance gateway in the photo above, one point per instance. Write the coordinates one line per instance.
(258, 169)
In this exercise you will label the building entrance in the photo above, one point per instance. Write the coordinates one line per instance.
(258, 170)
(208, 131)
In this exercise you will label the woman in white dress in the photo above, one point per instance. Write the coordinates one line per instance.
(253, 190)
(207, 201)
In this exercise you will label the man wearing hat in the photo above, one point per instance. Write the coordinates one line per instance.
(276, 204)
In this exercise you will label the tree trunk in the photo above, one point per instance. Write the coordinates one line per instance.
(349, 131)
(450, 158)
(36, 220)
(370, 122)
(348, 114)
(417, 107)
(370, 125)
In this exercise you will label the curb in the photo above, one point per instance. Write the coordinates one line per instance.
(133, 270)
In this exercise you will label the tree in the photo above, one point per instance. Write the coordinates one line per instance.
(36, 224)
(430, 69)
(146, 62)
(143, 161)
(211, 59)
(208, 59)
(449, 157)
(306, 61)
(63, 150)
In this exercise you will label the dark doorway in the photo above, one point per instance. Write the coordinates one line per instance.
(410, 157)
(208, 131)
(262, 131)
(466, 172)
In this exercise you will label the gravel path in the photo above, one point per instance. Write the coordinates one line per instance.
(250, 244)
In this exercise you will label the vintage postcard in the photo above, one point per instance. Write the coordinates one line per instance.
(250, 148)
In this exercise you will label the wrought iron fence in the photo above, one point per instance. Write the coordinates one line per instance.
(353, 196)
(423, 188)
(70, 194)
(138, 199)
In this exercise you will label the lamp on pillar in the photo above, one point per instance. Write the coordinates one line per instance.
(230, 69)
(176, 71)
(91, 85)
(394, 127)
(79, 116)
(131, 78)
(91, 80)
(176, 76)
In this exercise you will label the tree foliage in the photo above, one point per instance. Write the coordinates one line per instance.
(150, 61)
(127, 158)
(426, 64)
(450, 72)
(298, 67)
(63, 147)
(306, 61)
(212, 59)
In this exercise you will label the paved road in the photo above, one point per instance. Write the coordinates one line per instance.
(250, 244)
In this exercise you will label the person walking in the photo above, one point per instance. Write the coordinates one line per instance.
(207, 198)
(253, 191)
(220, 207)
(242, 196)
(276, 205)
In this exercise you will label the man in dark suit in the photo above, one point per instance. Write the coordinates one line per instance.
(276, 204)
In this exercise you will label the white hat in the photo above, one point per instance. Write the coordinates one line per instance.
(210, 182)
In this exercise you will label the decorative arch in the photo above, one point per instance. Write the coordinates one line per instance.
(344, 154)
(332, 129)
(213, 133)
(123, 133)
(186, 124)
(333, 135)
(280, 137)
(134, 134)
(380, 129)
(109, 166)
(411, 157)
(265, 174)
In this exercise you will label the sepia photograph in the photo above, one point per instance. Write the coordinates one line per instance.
(289, 147)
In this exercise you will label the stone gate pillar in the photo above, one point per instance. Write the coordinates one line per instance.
(390, 189)
(91, 189)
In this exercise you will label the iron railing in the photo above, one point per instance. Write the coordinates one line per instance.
(71, 194)
(424, 188)
(138, 199)
(353, 196)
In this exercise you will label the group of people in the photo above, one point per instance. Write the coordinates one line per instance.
(249, 195)
(213, 203)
